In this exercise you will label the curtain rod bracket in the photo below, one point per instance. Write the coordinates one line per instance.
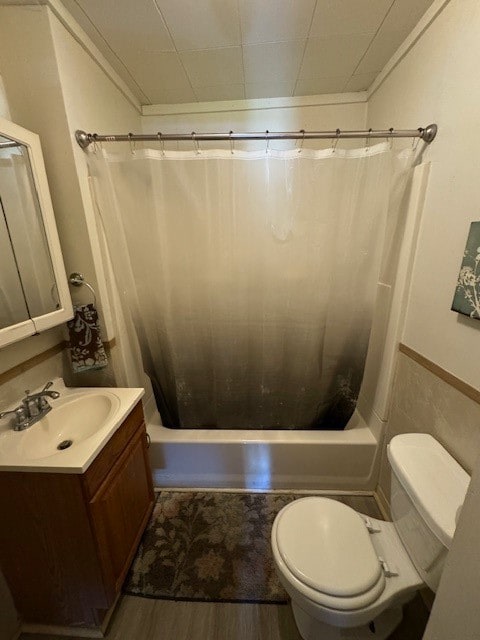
(428, 134)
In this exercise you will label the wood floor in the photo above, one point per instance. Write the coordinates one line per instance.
(147, 619)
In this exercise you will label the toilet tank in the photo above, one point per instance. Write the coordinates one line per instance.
(428, 490)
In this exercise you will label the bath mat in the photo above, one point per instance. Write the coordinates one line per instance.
(209, 546)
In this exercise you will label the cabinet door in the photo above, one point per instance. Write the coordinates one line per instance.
(120, 511)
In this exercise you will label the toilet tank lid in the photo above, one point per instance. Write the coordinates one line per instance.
(435, 482)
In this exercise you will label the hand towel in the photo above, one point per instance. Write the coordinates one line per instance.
(85, 343)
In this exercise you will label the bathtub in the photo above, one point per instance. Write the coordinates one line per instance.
(265, 460)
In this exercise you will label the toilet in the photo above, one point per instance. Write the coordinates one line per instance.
(349, 575)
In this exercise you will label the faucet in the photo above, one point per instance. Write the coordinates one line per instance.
(33, 408)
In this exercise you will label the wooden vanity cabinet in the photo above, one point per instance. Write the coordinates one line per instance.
(67, 540)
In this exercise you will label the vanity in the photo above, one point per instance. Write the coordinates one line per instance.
(73, 514)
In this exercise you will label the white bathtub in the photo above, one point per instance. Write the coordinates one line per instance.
(261, 460)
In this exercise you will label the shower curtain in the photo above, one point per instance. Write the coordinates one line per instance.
(250, 277)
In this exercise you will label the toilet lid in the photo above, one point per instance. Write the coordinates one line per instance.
(326, 546)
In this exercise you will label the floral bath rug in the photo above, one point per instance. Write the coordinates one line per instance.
(209, 546)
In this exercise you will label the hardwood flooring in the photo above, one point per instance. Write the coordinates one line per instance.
(147, 619)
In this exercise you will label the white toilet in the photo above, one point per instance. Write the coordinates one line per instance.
(349, 575)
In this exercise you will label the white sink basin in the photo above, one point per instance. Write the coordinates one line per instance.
(67, 425)
(72, 434)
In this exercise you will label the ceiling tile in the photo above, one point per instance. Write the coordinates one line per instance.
(360, 82)
(379, 53)
(401, 19)
(201, 24)
(337, 17)
(268, 90)
(161, 77)
(220, 92)
(273, 62)
(333, 57)
(273, 20)
(317, 86)
(123, 22)
(214, 66)
(405, 14)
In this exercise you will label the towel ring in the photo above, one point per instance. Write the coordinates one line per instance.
(77, 280)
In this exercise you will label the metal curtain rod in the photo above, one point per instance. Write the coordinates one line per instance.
(427, 134)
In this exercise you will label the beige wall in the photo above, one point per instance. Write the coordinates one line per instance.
(313, 113)
(437, 81)
(53, 87)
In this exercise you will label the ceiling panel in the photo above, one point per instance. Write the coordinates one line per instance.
(317, 86)
(122, 23)
(201, 24)
(213, 66)
(269, 89)
(360, 82)
(220, 92)
(340, 17)
(206, 50)
(275, 20)
(333, 57)
(161, 77)
(273, 61)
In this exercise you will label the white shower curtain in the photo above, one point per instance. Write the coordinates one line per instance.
(250, 277)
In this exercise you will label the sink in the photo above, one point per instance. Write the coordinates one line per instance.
(67, 425)
(70, 436)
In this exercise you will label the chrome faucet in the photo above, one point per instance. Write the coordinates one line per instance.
(33, 408)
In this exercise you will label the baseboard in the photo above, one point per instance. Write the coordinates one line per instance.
(53, 630)
(307, 492)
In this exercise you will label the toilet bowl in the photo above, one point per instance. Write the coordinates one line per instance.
(349, 575)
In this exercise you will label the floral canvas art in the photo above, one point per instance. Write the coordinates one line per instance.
(467, 293)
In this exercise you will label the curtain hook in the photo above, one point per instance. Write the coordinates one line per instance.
(390, 139)
(132, 144)
(368, 139)
(268, 141)
(195, 143)
(95, 143)
(232, 143)
(335, 140)
(299, 150)
(416, 139)
(162, 143)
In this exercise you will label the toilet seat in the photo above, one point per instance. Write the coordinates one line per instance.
(335, 564)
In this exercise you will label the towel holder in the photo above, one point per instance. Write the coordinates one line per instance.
(77, 280)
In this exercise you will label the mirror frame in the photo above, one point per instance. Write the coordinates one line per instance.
(37, 324)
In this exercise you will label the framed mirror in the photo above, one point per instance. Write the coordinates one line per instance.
(34, 294)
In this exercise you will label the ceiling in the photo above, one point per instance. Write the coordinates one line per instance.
(177, 51)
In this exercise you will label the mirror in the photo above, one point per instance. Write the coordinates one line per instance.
(34, 292)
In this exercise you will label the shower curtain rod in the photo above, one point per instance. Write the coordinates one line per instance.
(427, 134)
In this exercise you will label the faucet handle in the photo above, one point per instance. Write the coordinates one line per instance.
(47, 386)
(20, 414)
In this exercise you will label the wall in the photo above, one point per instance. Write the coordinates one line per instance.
(55, 87)
(275, 114)
(436, 81)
